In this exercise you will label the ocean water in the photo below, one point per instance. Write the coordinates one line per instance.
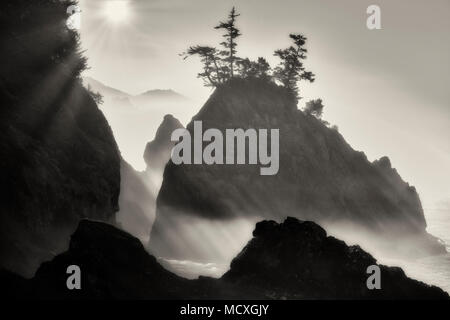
(431, 270)
(436, 269)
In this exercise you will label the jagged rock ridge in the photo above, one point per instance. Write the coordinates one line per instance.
(157, 152)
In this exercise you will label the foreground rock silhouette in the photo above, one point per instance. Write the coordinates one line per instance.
(291, 260)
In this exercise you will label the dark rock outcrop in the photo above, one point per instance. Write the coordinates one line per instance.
(292, 260)
(113, 263)
(59, 160)
(321, 178)
(297, 260)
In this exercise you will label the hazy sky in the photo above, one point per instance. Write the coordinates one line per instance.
(387, 90)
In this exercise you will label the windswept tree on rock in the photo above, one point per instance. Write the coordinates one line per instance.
(214, 73)
(218, 64)
(229, 45)
(291, 70)
(222, 64)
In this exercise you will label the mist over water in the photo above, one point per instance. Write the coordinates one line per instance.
(192, 270)
(438, 221)
(433, 270)
(436, 269)
(212, 244)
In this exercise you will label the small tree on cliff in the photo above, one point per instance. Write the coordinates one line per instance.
(213, 72)
(218, 65)
(314, 107)
(291, 70)
(221, 65)
(229, 45)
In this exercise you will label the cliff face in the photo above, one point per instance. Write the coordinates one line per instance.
(59, 160)
(320, 178)
(292, 260)
(67, 170)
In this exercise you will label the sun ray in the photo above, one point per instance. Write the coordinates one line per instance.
(117, 11)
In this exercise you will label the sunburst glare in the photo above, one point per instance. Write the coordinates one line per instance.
(117, 11)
